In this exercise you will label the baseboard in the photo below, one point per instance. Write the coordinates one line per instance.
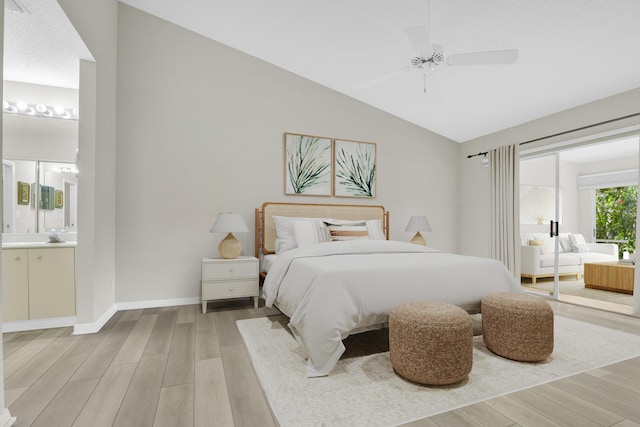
(6, 420)
(90, 328)
(93, 327)
(30, 325)
(134, 305)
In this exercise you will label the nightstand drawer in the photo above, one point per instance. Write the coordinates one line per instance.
(229, 270)
(229, 289)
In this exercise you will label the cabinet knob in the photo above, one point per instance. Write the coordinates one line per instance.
(230, 289)
(38, 257)
(17, 258)
(230, 268)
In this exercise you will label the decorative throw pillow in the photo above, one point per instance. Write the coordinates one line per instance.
(541, 244)
(578, 243)
(348, 230)
(310, 232)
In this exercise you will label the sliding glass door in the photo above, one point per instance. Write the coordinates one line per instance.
(586, 193)
(540, 218)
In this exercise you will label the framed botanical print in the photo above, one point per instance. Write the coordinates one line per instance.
(355, 169)
(308, 165)
(59, 199)
(24, 193)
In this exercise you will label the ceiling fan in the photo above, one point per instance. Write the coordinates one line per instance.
(431, 56)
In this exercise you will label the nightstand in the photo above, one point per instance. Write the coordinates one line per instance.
(229, 278)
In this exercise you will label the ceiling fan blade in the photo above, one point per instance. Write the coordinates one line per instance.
(419, 37)
(491, 57)
(384, 78)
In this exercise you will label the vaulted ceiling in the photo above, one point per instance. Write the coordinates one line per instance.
(570, 52)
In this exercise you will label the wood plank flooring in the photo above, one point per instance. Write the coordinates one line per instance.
(175, 366)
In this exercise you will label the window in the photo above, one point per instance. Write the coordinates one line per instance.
(616, 216)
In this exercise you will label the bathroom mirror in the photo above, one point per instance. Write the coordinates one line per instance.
(39, 196)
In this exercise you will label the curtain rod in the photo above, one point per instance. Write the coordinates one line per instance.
(478, 154)
(581, 128)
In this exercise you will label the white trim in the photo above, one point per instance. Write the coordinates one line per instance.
(93, 327)
(133, 305)
(90, 328)
(609, 136)
(6, 420)
(30, 325)
(621, 178)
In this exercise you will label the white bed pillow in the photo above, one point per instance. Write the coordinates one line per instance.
(285, 234)
(374, 230)
(310, 232)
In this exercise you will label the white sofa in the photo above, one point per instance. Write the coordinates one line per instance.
(538, 252)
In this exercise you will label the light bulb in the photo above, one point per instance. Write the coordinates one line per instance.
(58, 109)
(22, 106)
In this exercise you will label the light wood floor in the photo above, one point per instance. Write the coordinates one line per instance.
(175, 366)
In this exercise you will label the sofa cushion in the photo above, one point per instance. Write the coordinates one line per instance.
(563, 260)
(578, 243)
(594, 257)
(565, 242)
(547, 244)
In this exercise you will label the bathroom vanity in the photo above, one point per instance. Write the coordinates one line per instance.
(38, 280)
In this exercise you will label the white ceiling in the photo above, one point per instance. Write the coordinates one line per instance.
(41, 46)
(571, 51)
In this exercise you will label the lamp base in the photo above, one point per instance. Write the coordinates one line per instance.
(419, 240)
(229, 247)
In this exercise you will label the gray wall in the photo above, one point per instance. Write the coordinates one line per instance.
(200, 131)
(474, 194)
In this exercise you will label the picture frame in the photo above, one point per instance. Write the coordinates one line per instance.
(355, 170)
(308, 165)
(24, 193)
(47, 198)
(59, 194)
(538, 204)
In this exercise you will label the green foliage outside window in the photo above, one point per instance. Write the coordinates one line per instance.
(616, 215)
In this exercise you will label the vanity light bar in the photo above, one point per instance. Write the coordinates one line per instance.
(39, 110)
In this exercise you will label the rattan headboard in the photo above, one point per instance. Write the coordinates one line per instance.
(266, 229)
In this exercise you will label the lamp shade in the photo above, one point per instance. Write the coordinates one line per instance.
(418, 223)
(229, 247)
(229, 223)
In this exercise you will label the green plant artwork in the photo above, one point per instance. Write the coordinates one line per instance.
(355, 174)
(307, 165)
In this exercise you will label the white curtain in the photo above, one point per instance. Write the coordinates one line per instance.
(505, 202)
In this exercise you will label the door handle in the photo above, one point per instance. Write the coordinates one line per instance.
(553, 228)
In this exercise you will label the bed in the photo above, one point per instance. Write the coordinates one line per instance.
(332, 289)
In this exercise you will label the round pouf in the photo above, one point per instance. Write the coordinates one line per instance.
(431, 342)
(517, 326)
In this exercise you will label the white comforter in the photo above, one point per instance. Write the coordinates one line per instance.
(332, 290)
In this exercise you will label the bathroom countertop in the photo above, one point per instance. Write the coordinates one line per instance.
(31, 245)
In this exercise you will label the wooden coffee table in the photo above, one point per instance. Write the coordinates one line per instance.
(609, 276)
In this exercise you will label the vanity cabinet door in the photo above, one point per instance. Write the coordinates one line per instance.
(15, 285)
(52, 284)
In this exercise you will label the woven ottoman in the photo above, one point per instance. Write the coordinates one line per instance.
(431, 342)
(517, 326)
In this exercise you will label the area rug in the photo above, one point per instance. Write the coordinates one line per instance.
(364, 390)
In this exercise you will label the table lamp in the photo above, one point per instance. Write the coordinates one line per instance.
(418, 224)
(229, 223)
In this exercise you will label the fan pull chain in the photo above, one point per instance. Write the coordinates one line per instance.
(424, 82)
